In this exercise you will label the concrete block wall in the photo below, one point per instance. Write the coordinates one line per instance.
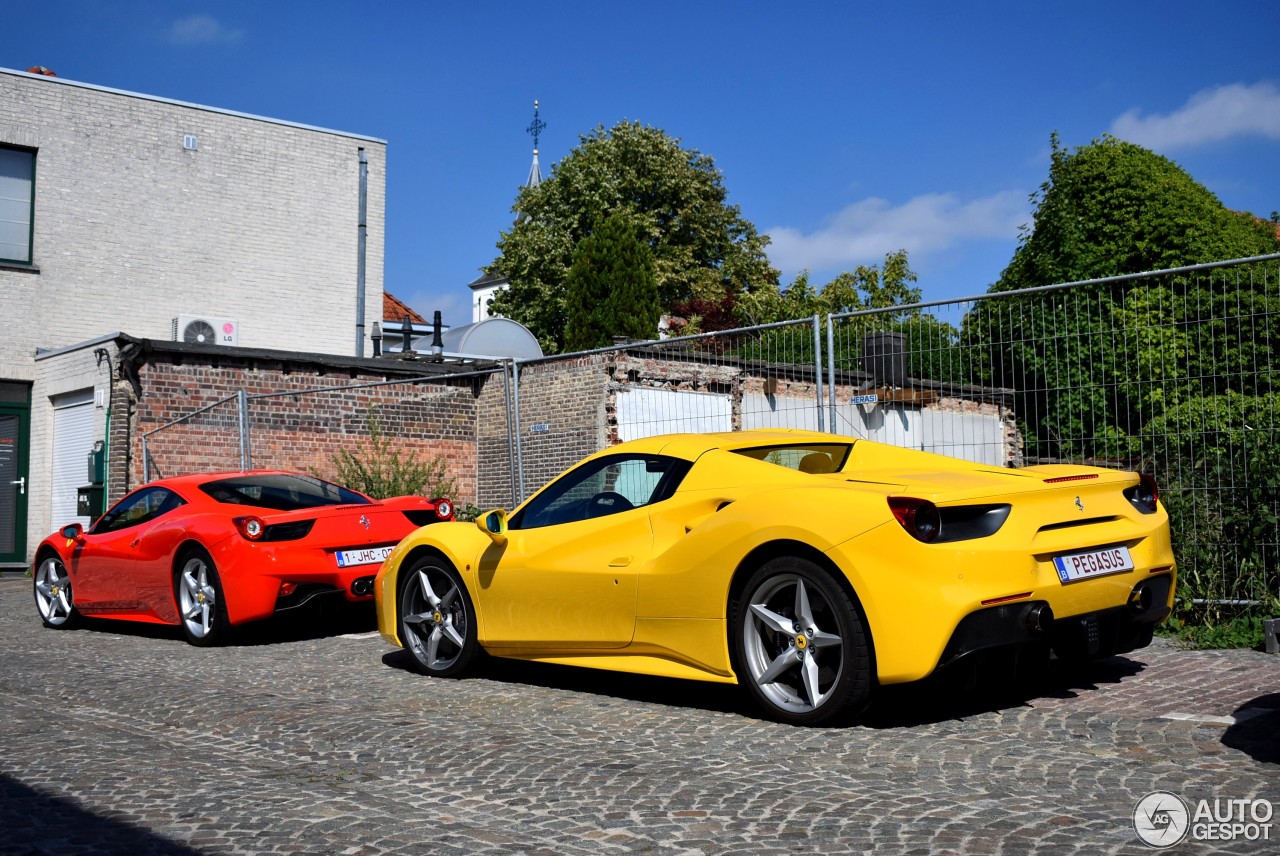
(258, 224)
(569, 408)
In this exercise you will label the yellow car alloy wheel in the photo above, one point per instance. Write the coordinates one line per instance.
(801, 647)
(437, 621)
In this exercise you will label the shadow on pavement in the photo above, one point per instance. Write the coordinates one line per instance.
(1257, 729)
(35, 823)
(673, 692)
(965, 692)
(945, 697)
(316, 620)
(330, 616)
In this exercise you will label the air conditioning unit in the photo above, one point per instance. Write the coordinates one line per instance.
(205, 330)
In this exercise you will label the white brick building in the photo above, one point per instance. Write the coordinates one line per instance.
(122, 212)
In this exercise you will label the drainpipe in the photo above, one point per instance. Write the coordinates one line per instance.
(362, 230)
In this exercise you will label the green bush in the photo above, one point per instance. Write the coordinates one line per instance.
(1244, 631)
(381, 468)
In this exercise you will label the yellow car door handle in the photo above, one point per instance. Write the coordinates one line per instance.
(620, 562)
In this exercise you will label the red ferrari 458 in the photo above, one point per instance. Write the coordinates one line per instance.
(209, 552)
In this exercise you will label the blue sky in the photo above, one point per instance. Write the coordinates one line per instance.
(844, 130)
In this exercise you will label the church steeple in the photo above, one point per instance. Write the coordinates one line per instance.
(535, 128)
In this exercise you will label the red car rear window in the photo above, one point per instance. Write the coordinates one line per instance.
(281, 492)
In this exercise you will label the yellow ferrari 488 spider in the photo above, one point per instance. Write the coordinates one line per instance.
(808, 567)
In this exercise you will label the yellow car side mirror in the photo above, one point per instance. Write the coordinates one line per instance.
(494, 524)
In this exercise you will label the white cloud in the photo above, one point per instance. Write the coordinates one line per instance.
(863, 232)
(1208, 116)
(200, 30)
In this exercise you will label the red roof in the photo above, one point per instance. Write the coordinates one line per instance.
(394, 309)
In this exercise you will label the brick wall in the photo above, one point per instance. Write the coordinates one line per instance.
(493, 447)
(302, 431)
(562, 416)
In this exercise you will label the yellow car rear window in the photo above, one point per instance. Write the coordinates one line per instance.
(806, 458)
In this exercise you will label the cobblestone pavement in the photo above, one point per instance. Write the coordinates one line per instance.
(122, 738)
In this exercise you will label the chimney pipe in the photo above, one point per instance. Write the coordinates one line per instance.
(437, 343)
(406, 333)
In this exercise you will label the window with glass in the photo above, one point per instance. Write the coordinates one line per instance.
(141, 507)
(602, 487)
(814, 458)
(17, 203)
(282, 492)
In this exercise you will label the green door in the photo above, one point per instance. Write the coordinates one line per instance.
(15, 422)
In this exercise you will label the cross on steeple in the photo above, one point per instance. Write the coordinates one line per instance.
(535, 127)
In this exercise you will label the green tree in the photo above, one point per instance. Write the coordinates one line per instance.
(934, 351)
(702, 246)
(1112, 207)
(611, 287)
(865, 287)
(1084, 361)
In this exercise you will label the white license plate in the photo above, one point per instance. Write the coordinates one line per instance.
(369, 556)
(1074, 567)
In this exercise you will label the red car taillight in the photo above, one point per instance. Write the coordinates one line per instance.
(444, 508)
(254, 529)
(919, 517)
(250, 527)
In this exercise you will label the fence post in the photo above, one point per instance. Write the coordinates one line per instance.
(242, 410)
(511, 444)
(817, 366)
(515, 374)
(831, 375)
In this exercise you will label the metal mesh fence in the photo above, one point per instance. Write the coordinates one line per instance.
(761, 377)
(576, 404)
(1172, 373)
(375, 436)
(206, 440)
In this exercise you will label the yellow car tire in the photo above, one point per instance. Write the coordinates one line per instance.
(800, 644)
(437, 619)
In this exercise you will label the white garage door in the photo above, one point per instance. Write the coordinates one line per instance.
(646, 412)
(72, 442)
